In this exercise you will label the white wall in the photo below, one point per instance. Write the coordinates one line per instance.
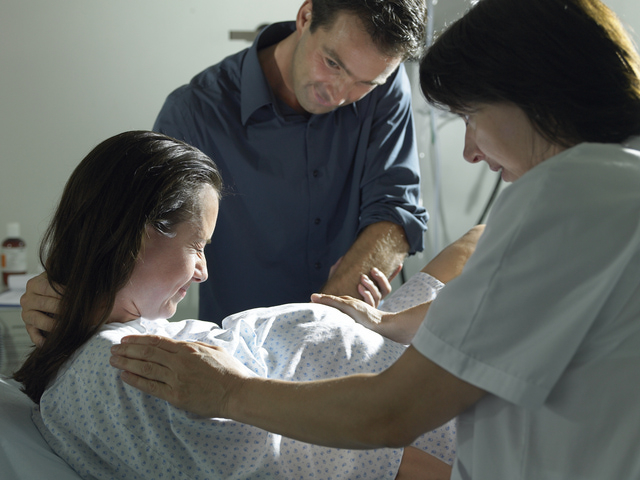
(73, 72)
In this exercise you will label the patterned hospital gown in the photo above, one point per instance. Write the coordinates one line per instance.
(105, 429)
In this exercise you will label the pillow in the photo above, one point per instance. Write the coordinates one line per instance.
(23, 451)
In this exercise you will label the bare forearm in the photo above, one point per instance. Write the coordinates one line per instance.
(336, 413)
(382, 245)
(389, 409)
(402, 326)
(448, 264)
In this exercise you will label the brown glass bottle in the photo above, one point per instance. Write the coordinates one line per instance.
(14, 253)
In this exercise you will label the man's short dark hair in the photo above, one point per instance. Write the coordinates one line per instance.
(396, 27)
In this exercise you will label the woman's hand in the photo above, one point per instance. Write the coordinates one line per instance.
(39, 305)
(397, 326)
(360, 311)
(193, 376)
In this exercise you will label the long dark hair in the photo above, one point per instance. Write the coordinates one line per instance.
(125, 184)
(569, 64)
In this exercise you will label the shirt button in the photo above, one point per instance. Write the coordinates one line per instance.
(318, 265)
(317, 221)
(316, 173)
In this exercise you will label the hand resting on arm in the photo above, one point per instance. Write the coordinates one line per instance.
(402, 326)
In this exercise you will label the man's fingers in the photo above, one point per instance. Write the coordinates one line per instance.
(41, 285)
(368, 295)
(382, 282)
(35, 335)
(36, 323)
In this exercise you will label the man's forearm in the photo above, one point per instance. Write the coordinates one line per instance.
(382, 245)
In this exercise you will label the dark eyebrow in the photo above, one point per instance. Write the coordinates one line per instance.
(334, 56)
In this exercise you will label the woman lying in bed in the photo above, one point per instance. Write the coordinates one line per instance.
(126, 243)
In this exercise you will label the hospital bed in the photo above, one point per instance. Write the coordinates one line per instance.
(23, 452)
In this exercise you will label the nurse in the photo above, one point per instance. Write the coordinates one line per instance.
(536, 345)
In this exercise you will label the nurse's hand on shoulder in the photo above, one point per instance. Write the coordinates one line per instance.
(39, 305)
(190, 375)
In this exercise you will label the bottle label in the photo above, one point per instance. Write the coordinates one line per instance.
(14, 260)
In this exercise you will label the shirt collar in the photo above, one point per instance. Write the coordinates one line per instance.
(254, 89)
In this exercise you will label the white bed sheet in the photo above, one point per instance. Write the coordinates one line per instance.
(23, 451)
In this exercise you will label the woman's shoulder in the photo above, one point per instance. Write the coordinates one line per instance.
(92, 358)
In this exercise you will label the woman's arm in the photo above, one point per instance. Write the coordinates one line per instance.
(389, 409)
(448, 264)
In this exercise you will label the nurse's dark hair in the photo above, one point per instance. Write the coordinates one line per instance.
(126, 184)
(396, 27)
(569, 64)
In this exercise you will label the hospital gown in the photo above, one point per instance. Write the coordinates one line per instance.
(106, 429)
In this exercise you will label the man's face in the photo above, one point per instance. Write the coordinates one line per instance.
(337, 64)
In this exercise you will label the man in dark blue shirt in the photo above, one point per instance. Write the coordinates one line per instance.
(312, 130)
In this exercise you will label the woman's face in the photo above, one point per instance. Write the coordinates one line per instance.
(166, 266)
(502, 135)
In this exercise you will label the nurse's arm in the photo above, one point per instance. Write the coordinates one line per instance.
(389, 409)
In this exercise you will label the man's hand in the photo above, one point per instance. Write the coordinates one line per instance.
(193, 376)
(372, 287)
(367, 269)
(376, 286)
(39, 305)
